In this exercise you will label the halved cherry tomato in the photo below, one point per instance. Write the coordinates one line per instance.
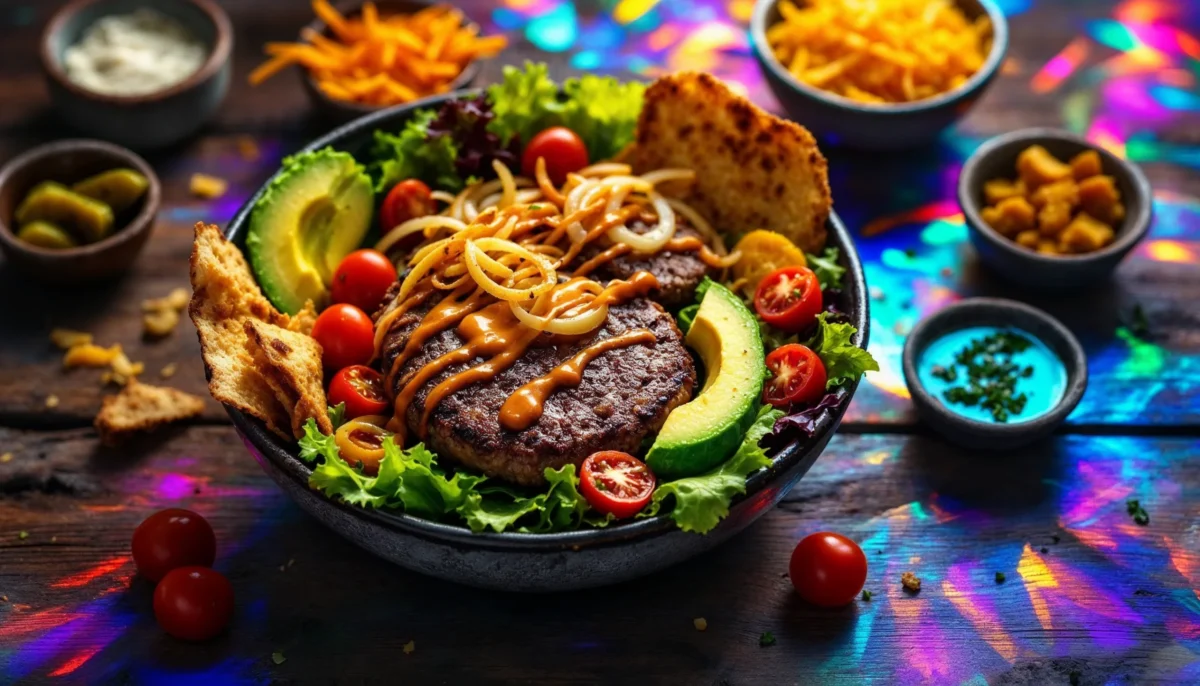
(362, 279)
(346, 335)
(361, 388)
(616, 483)
(797, 376)
(172, 538)
(193, 603)
(789, 299)
(407, 200)
(564, 152)
(828, 569)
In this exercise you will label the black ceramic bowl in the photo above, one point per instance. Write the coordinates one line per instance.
(147, 121)
(340, 111)
(999, 313)
(866, 126)
(997, 158)
(538, 562)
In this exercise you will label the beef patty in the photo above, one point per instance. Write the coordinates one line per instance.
(678, 273)
(624, 397)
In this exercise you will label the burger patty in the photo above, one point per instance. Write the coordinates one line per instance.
(623, 398)
(678, 273)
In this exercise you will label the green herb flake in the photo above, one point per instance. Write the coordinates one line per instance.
(1000, 577)
(767, 639)
(1134, 508)
(23, 535)
(866, 595)
(991, 375)
(278, 658)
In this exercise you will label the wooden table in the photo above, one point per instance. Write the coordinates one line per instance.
(1089, 596)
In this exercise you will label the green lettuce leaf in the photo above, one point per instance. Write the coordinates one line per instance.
(843, 360)
(825, 266)
(700, 502)
(413, 154)
(337, 415)
(525, 102)
(560, 507)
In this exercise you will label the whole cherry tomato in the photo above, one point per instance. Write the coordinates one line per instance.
(797, 376)
(407, 200)
(361, 388)
(346, 335)
(828, 569)
(564, 152)
(193, 603)
(172, 538)
(789, 299)
(616, 483)
(362, 279)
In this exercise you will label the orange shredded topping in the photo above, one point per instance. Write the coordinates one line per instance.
(382, 60)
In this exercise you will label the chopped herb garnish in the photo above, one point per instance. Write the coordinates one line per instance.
(278, 658)
(991, 375)
(866, 596)
(1139, 324)
(767, 639)
(1139, 514)
(910, 253)
(23, 535)
(999, 577)
(535, 206)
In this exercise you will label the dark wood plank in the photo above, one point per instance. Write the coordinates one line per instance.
(1116, 598)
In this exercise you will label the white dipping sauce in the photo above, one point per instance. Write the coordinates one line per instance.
(134, 54)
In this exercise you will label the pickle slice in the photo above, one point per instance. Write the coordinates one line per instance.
(90, 220)
(46, 235)
(117, 188)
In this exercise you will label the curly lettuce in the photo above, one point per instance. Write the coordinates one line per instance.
(414, 154)
(844, 362)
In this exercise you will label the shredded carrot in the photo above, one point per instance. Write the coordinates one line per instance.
(382, 60)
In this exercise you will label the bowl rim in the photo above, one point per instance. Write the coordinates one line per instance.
(999, 309)
(140, 222)
(284, 456)
(758, 40)
(349, 8)
(218, 55)
(1137, 226)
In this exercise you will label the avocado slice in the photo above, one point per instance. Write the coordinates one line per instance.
(703, 433)
(315, 211)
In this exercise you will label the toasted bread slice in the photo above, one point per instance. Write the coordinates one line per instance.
(292, 367)
(753, 170)
(142, 407)
(224, 298)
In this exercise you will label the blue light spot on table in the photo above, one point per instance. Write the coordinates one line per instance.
(554, 31)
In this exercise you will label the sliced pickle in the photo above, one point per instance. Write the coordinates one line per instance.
(117, 188)
(53, 202)
(46, 235)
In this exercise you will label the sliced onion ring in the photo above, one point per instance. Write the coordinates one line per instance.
(653, 240)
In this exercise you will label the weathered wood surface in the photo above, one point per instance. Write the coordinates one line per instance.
(1111, 600)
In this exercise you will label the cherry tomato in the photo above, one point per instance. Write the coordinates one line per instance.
(564, 152)
(346, 335)
(789, 299)
(193, 603)
(361, 388)
(616, 482)
(828, 569)
(172, 538)
(407, 200)
(797, 376)
(362, 279)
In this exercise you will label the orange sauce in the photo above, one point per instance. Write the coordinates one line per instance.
(603, 258)
(526, 404)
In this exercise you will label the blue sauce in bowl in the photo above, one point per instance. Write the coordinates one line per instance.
(1044, 387)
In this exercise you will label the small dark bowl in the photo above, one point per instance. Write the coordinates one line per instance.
(141, 122)
(866, 126)
(539, 562)
(1000, 313)
(67, 162)
(340, 111)
(997, 158)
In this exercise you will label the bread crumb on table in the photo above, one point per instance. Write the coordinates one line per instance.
(700, 623)
(911, 582)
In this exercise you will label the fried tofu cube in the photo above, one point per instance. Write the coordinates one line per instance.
(1099, 197)
(1037, 167)
(1002, 189)
(1085, 165)
(1029, 239)
(1065, 192)
(1010, 217)
(1053, 218)
(1085, 233)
